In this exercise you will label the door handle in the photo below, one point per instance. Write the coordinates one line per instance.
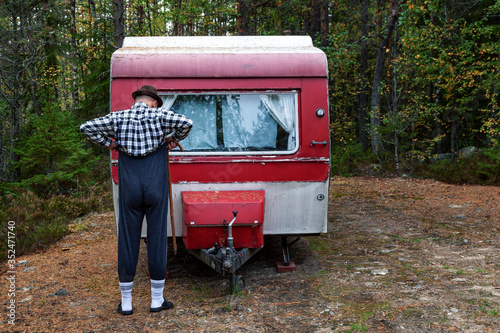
(318, 143)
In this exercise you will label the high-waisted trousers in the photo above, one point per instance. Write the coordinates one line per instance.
(143, 191)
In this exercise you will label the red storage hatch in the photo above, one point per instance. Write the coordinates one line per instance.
(206, 215)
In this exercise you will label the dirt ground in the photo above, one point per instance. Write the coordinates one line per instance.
(401, 255)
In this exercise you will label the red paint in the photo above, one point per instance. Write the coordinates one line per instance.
(207, 213)
(218, 65)
(309, 163)
(255, 171)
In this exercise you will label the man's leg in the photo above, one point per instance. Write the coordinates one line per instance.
(156, 200)
(131, 215)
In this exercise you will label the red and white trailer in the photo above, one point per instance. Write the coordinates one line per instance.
(257, 160)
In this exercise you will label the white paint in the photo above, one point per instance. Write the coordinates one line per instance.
(217, 44)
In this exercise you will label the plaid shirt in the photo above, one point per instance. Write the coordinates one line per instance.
(138, 131)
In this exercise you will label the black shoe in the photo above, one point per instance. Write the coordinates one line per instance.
(165, 306)
(125, 313)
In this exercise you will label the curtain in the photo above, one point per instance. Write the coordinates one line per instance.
(168, 101)
(281, 108)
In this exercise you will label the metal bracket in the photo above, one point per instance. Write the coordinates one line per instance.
(285, 251)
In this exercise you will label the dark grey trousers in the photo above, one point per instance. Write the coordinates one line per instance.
(143, 191)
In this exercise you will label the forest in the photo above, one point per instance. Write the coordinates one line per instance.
(414, 86)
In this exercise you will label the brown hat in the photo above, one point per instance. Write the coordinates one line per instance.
(148, 91)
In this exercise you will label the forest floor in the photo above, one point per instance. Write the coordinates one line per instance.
(400, 255)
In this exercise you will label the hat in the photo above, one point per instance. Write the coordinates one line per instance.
(148, 91)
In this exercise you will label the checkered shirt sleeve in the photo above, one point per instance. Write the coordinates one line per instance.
(138, 131)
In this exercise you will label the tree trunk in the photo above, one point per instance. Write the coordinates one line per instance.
(396, 125)
(178, 28)
(375, 117)
(119, 22)
(325, 23)
(315, 18)
(242, 20)
(74, 54)
(363, 98)
(494, 137)
(454, 134)
(14, 104)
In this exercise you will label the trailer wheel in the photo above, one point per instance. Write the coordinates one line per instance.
(237, 283)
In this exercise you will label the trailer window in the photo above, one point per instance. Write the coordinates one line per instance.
(238, 122)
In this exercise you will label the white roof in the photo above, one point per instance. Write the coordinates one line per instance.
(218, 44)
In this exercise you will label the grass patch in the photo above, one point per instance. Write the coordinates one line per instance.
(363, 312)
(489, 309)
(322, 245)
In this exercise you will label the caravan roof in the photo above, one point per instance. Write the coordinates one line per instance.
(218, 57)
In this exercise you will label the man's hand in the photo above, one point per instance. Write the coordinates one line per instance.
(113, 146)
(171, 143)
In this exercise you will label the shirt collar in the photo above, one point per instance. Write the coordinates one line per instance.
(140, 104)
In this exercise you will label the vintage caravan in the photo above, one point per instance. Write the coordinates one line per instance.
(257, 160)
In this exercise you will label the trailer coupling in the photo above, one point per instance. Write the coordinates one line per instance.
(226, 260)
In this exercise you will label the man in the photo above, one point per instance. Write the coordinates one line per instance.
(141, 135)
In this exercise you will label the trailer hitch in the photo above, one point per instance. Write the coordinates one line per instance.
(230, 239)
(225, 260)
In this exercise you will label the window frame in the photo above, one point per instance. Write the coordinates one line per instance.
(295, 93)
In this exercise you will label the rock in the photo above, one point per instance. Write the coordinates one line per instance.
(27, 299)
(381, 271)
(60, 292)
(440, 157)
(467, 152)
(29, 269)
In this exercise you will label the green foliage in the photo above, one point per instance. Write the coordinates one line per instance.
(53, 154)
(446, 66)
(351, 160)
(40, 222)
(481, 168)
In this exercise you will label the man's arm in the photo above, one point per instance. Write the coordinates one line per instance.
(100, 130)
(177, 123)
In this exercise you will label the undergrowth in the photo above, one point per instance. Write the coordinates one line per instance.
(481, 168)
(39, 216)
(40, 221)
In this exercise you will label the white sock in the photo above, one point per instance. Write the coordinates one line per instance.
(157, 293)
(126, 289)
